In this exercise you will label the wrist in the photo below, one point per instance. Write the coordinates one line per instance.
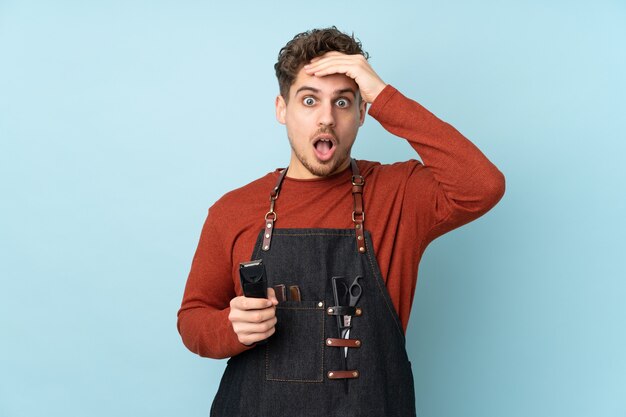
(376, 92)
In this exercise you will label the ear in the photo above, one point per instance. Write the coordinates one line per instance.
(363, 112)
(281, 109)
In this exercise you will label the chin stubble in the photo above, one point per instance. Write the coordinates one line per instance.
(323, 169)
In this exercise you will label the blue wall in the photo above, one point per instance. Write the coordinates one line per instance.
(122, 122)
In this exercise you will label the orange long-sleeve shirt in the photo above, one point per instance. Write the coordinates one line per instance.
(407, 205)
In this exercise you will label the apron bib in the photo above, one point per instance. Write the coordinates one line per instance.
(303, 369)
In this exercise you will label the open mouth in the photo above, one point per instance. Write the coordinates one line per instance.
(324, 148)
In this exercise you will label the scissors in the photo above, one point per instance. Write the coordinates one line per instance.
(354, 294)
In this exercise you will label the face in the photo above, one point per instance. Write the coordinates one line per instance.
(322, 116)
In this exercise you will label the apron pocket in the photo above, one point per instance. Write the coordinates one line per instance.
(295, 352)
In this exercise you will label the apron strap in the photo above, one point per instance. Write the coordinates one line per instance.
(271, 216)
(358, 214)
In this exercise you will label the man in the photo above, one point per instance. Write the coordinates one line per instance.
(333, 346)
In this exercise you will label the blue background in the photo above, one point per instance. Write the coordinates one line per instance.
(122, 122)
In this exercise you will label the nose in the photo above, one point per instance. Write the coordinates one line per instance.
(326, 115)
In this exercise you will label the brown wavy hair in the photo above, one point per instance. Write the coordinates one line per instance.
(310, 44)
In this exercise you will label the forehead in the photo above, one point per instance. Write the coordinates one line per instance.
(328, 84)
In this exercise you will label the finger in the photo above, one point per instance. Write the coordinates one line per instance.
(337, 57)
(252, 316)
(336, 66)
(250, 339)
(320, 66)
(248, 303)
(243, 328)
(348, 70)
(249, 333)
(271, 295)
(329, 54)
(325, 62)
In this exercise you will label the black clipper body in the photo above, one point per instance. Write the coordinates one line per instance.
(253, 279)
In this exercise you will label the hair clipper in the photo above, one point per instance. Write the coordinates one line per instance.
(253, 279)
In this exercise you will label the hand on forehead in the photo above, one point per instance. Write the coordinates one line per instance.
(355, 67)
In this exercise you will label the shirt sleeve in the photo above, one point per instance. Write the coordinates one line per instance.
(203, 316)
(456, 179)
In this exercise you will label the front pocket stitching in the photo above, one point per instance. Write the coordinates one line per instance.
(267, 351)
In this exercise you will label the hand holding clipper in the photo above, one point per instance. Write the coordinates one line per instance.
(253, 315)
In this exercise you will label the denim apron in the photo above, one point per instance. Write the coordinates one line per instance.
(303, 370)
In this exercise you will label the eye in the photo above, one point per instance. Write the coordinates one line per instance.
(342, 103)
(308, 101)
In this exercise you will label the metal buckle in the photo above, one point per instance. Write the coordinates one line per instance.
(359, 177)
(361, 219)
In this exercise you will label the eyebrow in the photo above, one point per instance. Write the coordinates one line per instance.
(317, 91)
